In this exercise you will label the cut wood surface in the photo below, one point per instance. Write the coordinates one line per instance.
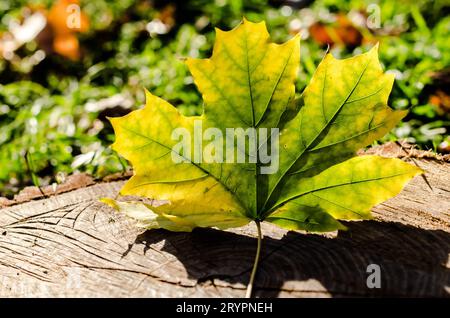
(71, 245)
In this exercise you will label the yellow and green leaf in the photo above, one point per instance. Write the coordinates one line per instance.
(249, 82)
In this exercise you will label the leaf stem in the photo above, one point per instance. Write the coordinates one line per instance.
(248, 294)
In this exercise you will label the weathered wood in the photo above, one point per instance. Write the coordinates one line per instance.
(73, 245)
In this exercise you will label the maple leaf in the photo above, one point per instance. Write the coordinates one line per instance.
(248, 83)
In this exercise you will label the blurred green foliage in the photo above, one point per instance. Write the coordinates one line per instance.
(54, 112)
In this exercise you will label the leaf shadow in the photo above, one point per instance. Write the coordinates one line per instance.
(412, 260)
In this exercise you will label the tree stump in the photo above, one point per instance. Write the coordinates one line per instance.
(71, 245)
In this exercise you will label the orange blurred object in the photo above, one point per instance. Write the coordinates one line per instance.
(441, 100)
(67, 46)
(167, 15)
(341, 32)
(65, 19)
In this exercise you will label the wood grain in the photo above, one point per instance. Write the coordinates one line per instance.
(71, 245)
